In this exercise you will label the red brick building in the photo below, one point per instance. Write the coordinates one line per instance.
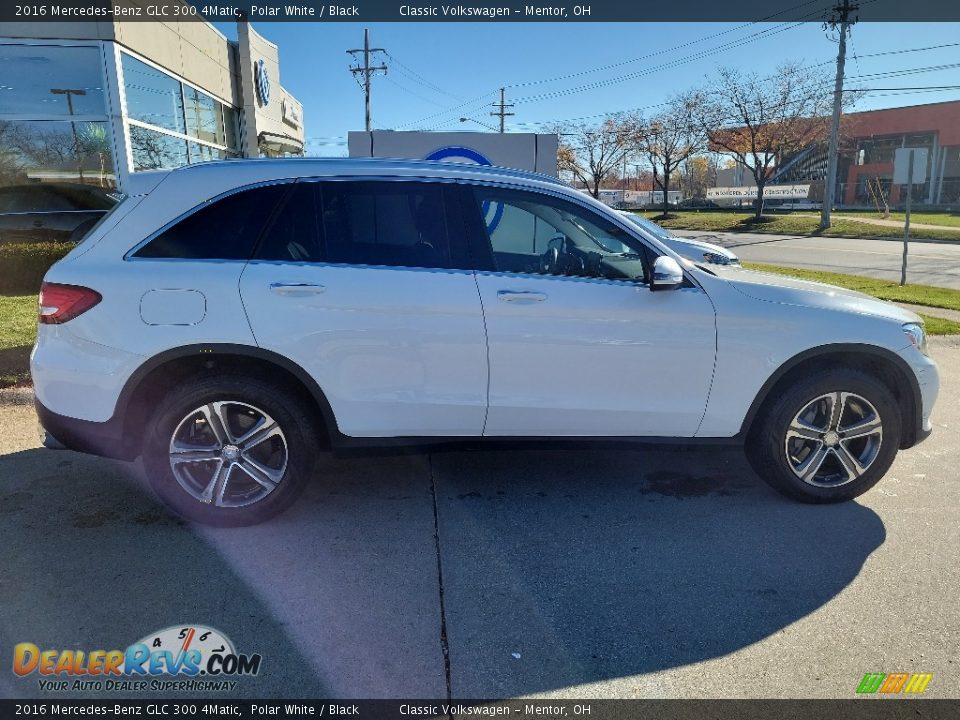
(874, 135)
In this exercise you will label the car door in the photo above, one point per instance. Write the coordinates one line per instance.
(578, 344)
(362, 285)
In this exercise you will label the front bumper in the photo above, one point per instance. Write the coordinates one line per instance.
(105, 439)
(928, 383)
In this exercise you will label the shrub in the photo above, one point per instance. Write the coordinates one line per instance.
(23, 265)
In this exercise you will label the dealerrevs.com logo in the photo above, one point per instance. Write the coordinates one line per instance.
(177, 658)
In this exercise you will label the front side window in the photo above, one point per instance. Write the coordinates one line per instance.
(225, 229)
(534, 233)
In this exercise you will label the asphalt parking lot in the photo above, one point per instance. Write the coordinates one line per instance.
(930, 263)
(626, 573)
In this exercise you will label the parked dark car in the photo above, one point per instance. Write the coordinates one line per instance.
(50, 212)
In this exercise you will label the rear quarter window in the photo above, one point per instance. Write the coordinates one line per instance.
(223, 229)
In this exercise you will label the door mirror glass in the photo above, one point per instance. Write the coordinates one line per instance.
(667, 274)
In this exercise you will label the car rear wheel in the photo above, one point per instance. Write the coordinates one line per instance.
(828, 438)
(228, 450)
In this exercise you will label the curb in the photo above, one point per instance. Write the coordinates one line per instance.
(14, 396)
(796, 236)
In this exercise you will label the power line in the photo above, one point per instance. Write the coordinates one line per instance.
(411, 92)
(657, 53)
(733, 44)
(407, 70)
(761, 35)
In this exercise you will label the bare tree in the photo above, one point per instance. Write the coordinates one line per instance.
(757, 120)
(669, 139)
(592, 154)
(697, 174)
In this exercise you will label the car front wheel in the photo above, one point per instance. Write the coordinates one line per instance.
(828, 438)
(228, 450)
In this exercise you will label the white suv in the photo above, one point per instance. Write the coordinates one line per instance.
(230, 320)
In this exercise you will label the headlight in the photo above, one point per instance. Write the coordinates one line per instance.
(917, 336)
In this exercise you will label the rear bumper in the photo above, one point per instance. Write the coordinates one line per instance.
(105, 439)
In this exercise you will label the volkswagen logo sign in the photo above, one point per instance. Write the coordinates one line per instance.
(457, 153)
(261, 79)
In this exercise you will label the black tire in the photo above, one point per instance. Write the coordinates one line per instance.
(242, 397)
(767, 441)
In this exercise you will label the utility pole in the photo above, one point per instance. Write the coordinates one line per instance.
(502, 107)
(839, 19)
(366, 71)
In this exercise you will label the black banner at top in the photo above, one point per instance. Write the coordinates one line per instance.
(777, 11)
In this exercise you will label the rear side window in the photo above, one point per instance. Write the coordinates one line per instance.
(225, 229)
(397, 224)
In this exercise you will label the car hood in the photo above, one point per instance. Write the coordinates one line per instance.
(678, 244)
(770, 287)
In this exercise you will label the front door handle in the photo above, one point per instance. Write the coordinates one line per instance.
(513, 296)
(297, 289)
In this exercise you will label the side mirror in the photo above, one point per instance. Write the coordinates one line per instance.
(667, 274)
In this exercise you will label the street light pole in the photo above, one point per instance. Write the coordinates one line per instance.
(469, 119)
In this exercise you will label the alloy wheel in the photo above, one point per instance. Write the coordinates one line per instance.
(834, 439)
(228, 454)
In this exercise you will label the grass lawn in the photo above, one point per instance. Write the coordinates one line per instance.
(18, 329)
(792, 225)
(947, 219)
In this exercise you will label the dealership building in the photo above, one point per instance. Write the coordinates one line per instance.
(869, 143)
(96, 102)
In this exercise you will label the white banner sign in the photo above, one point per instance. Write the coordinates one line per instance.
(770, 192)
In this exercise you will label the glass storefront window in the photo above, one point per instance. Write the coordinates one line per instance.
(44, 80)
(152, 150)
(152, 96)
(200, 153)
(52, 151)
(231, 124)
(204, 120)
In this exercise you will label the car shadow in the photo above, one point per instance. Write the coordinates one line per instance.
(589, 564)
(339, 596)
(562, 569)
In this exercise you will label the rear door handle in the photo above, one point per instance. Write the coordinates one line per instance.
(297, 289)
(512, 296)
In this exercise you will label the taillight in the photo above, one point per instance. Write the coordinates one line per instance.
(59, 303)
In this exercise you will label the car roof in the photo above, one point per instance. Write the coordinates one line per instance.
(277, 168)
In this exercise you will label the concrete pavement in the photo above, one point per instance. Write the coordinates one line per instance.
(928, 263)
(566, 573)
